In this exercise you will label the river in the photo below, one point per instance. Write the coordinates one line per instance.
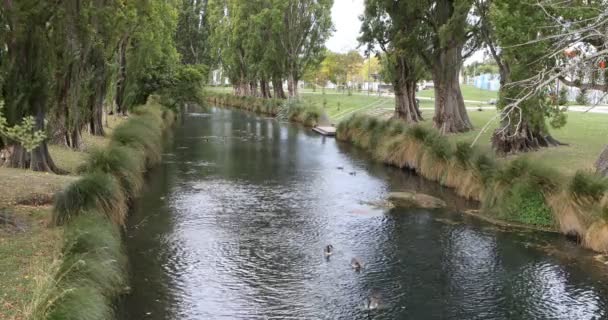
(233, 224)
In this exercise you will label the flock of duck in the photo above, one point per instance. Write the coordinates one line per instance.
(373, 301)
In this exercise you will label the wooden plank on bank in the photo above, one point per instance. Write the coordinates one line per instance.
(326, 131)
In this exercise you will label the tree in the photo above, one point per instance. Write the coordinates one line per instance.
(306, 26)
(191, 35)
(388, 26)
(27, 76)
(445, 36)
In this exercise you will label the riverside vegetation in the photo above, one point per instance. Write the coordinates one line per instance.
(295, 110)
(92, 270)
(516, 190)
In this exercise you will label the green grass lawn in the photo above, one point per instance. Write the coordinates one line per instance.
(468, 92)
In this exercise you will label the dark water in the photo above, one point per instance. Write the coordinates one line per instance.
(234, 222)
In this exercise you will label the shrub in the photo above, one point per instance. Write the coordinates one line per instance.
(463, 154)
(95, 191)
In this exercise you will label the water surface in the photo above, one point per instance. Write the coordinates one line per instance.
(233, 225)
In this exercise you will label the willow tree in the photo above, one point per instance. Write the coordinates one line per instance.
(387, 26)
(27, 76)
(445, 37)
(191, 36)
(151, 56)
(106, 22)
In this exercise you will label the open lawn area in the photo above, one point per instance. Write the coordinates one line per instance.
(28, 247)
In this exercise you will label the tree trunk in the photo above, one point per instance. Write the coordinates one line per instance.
(406, 107)
(253, 89)
(265, 89)
(292, 85)
(277, 86)
(512, 138)
(450, 112)
(121, 80)
(37, 160)
(99, 88)
(602, 163)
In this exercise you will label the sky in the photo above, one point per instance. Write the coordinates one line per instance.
(345, 16)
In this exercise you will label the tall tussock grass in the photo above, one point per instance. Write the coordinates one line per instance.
(124, 163)
(519, 190)
(91, 273)
(95, 191)
(89, 277)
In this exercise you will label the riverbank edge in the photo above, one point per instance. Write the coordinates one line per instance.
(307, 114)
(92, 271)
(516, 191)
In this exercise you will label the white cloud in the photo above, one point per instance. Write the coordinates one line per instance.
(345, 16)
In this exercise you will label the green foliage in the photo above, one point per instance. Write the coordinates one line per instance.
(463, 154)
(439, 146)
(524, 203)
(587, 184)
(581, 97)
(24, 133)
(185, 86)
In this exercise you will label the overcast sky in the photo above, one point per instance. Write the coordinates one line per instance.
(345, 16)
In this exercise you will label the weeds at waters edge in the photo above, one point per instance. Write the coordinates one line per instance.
(92, 272)
(299, 111)
(519, 190)
(269, 106)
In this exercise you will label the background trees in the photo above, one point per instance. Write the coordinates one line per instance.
(64, 63)
(264, 41)
(386, 25)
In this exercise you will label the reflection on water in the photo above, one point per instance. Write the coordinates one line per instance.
(233, 226)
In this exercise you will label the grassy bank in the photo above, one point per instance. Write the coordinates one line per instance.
(76, 269)
(302, 112)
(28, 246)
(519, 189)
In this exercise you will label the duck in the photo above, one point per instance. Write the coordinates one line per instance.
(373, 301)
(329, 250)
(340, 168)
(353, 173)
(356, 264)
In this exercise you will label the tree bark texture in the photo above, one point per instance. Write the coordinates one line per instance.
(450, 112)
(601, 164)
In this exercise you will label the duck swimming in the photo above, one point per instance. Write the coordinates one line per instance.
(373, 301)
(329, 250)
(356, 264)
